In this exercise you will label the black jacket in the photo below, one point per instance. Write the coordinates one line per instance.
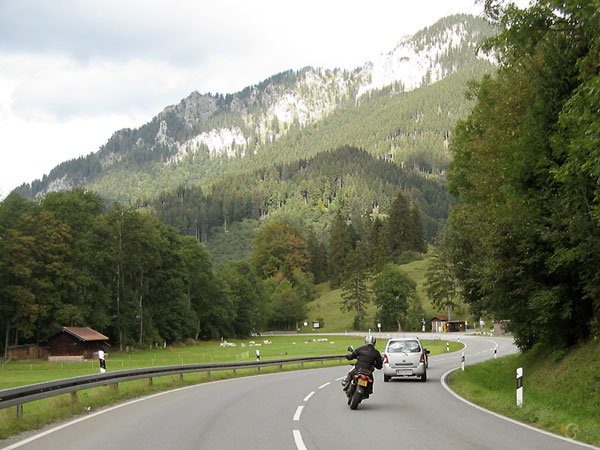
(368, 357)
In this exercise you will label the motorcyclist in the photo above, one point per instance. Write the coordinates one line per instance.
(368, 357)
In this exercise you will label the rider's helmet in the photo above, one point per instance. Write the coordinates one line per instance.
(370, 340)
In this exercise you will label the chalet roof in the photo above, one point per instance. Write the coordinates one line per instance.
(84, 334)
(440, 318)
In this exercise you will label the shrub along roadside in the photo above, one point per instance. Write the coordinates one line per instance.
(561, 390)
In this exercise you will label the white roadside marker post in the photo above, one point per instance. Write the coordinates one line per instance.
(520, 387)
(102, 361)
(462, 361)
(447, 347)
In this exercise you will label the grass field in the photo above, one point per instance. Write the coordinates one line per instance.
(42, 412)
(561, 392)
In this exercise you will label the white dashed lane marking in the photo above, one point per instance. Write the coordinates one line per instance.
(298, 439)
(297, 413)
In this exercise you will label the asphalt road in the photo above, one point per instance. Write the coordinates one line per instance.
(304, 410)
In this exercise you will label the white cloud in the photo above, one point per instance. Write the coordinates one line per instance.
(72, 72)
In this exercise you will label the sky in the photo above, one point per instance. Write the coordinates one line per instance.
(72, 72)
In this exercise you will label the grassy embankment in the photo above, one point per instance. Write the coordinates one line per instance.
(46, 411)
(561, 391)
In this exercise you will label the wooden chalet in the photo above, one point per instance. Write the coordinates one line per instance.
(76, 343)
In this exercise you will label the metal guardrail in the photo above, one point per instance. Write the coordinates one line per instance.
(23, 394)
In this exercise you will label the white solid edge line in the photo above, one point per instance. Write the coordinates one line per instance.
(307, 398)
(516, 422)
(298, 439)
(298, 412)
(326, 384)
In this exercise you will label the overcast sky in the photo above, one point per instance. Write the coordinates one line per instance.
(72, 72)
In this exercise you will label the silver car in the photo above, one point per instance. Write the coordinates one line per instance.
(405, 357)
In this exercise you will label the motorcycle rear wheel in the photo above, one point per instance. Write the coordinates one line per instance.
(355, 401)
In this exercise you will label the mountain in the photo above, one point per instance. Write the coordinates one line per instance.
(401, 106)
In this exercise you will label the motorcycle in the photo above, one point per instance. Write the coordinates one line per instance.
(361, 385)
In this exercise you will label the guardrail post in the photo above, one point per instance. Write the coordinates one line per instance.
(74, 397)
(20, 411)
(116, 387)
(181, 376)
(150, 381)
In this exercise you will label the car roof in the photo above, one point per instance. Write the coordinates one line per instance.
(404, 339)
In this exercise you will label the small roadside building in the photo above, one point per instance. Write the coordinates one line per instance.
(75, 343)
(27, 352)
(441, 324)
(437, 324)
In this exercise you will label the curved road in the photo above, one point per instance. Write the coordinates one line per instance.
(304, 410)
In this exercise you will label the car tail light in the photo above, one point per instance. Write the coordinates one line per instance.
(385, 359)
(422, 357)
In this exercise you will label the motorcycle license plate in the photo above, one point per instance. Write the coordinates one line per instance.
(362, 382)
(401, 372)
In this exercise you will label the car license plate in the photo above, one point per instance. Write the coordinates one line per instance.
(362, 382)
(400, 372)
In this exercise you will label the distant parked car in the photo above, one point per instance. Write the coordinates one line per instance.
(405, 357)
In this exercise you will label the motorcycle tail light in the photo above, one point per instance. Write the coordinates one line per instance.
(364, 377)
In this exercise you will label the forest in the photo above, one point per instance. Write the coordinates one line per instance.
(307, 193)
(74, 260)
(524, 240)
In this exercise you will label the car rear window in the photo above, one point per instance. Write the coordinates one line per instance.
(404, 346)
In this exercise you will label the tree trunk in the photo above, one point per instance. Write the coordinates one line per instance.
(6, 340)
(142, 307)
(448, 310)
(399, 325)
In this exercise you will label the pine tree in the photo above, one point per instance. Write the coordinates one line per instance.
(355, 292)
(417, 231)
(398, 227)
(340, 246)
